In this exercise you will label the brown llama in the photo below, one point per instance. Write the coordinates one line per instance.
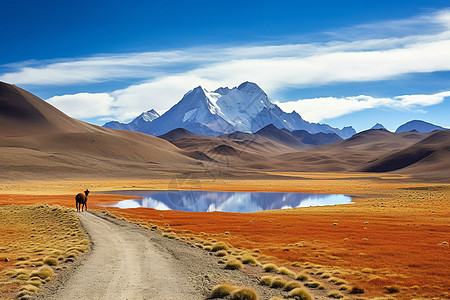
(81, 200)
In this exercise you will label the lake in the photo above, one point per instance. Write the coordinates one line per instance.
(242, 202)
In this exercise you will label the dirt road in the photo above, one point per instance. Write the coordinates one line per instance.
(127, 262)
(131, 262)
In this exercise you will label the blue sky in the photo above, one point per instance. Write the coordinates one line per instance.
(339, 62)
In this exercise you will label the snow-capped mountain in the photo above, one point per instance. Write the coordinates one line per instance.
(378, 126)
(245, 108)
(137, 123)
(420, 126)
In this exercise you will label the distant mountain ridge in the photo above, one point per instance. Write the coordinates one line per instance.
(378, 126)
(245, 108)
(418, 125)
(137, 123)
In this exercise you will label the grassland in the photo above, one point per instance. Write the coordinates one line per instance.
(395, 234)
(36, 241)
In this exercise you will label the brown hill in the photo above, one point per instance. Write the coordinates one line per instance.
(431, 154)
(39, 141)
(279, 135)
(349, 155)
(179, 133)
(22, 114)
(36, 139)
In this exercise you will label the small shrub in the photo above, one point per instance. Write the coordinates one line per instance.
(276, 298)
(43, 272)
(244, 293)
(335, 295)
(22, 276)
(299, 293)
(313, 285)
(270, 268)
(51, 261)
(233, 265)
(222, 290)
(248, 259)
(292, 285)
(278, 283)
(221, 253)
(302, 277)
(344, 288)
(30, 288)
(356, 290)
(219, 246)
(325, 276)
(337, 281)
(266, 280)
(286, 271)
(36, 283)
(392, 289)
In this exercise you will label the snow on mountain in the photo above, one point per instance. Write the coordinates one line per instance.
(137, 123)
(245, 108)
(420, 126)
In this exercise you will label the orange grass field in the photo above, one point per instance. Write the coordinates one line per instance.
(395, 233)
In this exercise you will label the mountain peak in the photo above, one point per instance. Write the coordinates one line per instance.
(245, 108)
(419, 125)
(249, 87)
(378, 126)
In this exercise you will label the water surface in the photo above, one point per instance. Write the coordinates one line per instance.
(243, 202)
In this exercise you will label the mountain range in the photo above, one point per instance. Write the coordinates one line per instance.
(38, 141)
(245, 108)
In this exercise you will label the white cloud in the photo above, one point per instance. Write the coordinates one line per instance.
(319, 109)
(362, 53)
(84, 105)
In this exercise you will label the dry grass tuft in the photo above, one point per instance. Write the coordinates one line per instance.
(37, 236)
(222, 290)
(221, 253)
(270, 268)
(233, 265)
(244, 293)
(356, 290)
(299, 293)
(278, 283)
(313, 285)
(248, 259)
(286, 271)
(335, 295)
(43, 272)
(292, 285)
(219, 246)
(266, 280)
(392, 289)
(302, 277)
(51, 261)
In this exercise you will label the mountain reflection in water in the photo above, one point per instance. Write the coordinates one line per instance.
(242, 202)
